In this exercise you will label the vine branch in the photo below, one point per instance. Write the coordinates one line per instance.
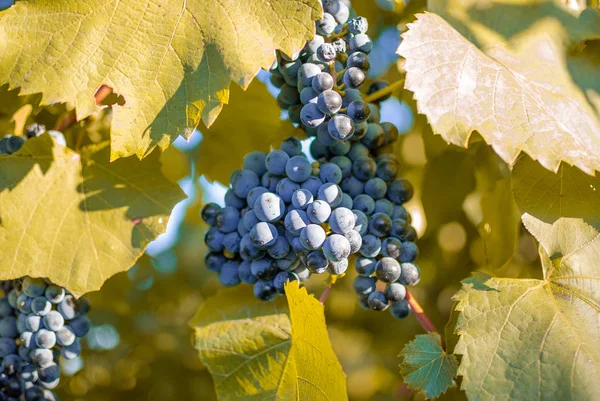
(384, 92)
(422, 318)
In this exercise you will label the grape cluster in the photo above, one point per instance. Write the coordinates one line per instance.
(320, 87)
(286, 218)
(39, 322)
(10, 144)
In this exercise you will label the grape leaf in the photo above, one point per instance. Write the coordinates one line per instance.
(561, 210)
(172, 61)
(519, 97)
(524, 339)
(258, 350)
(251, 123)
(426, 367)
(76, 218)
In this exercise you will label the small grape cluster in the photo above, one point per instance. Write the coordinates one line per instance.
(39, 322)
(10, 144)
(320, 86)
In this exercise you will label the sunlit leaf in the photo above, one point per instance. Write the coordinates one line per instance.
(259, 350)
(561, 210)
(519, 97)
(533, 339)
(426, 367)
(172, 61)
(251, 123)
(76, 218)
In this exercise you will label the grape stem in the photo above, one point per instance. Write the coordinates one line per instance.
(422, 318)
(384, 92)
(341, 34)
(325, 294)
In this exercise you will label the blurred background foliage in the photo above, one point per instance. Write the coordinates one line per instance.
(140, 346)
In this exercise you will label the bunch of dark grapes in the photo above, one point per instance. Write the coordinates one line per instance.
(10, 144)
(286, 219)
(39, 322)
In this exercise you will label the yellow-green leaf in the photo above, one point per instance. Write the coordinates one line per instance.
(251, 123)
(259, 350)
(561, 210)
(76, 218)
(172, 61)
(533, 339)
(426, 367)
(519, 96)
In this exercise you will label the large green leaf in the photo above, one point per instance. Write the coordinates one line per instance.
(172, 61)
(259, 350)
(519, 96)
(76, 218)
(251, 123)
(561, 210)
(426, 367)
(533, 339)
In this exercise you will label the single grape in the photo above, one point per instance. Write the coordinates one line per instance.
(312, 184)
(338, 267)
(209, 214)
(395, 292)
(410, 251)
(388, 270)
(371, 246)
(384, 206)
(276, 161)
(336, 247)
(365, 266)
(270, 181)
(344, 164)
(352, 186)
(308, 95)
(390, 133)
(281, 279)
(245, 273)
(364, 168)
(361, 222)
(49, 374)
(410, 274)
(350, 96)
(360, 43)
(269, 207)
(244, 182)
(232, 200)
(326, 25)
(387, 170)
(346, 202)
(295, 221)
(280, 249)
(33, 322)
(365, 204)
(5, 308)
(326, 53)
(364, 285)
(289, 262)
(355, 240)
(265, 290)
(228, 277)
(339, 10)
(21, 322)
(12, 364)
(380, 225)
(311, 115)
(298, 169)
(54, 321)
(288, 96)
(263, 235)
(227, 219)
(214, 239)
(359, 60)
(376, 188)
(291, 146)
(24, 304)
(312, 237)
(358, 25)
(354, 77)
(342, 220)
(375, 116)
(377, 301)
(298, 247)
(263, 269)
(312, 45)
(339, 148)
(249, 251)
(391, 247)
(316, 262)
(400, 191)
(286, 188)
(358, 110)
(340, 127)
(277, 80)
(321, 82)
(306, 72)
(400, 309)
(330, 172)
(360, 130)
(301, 198)
(231, 242)
(254, 194)
(329, 102)
(34, 287)
(330, 193)
(374, 137)
(7, 346)
(45, 338)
